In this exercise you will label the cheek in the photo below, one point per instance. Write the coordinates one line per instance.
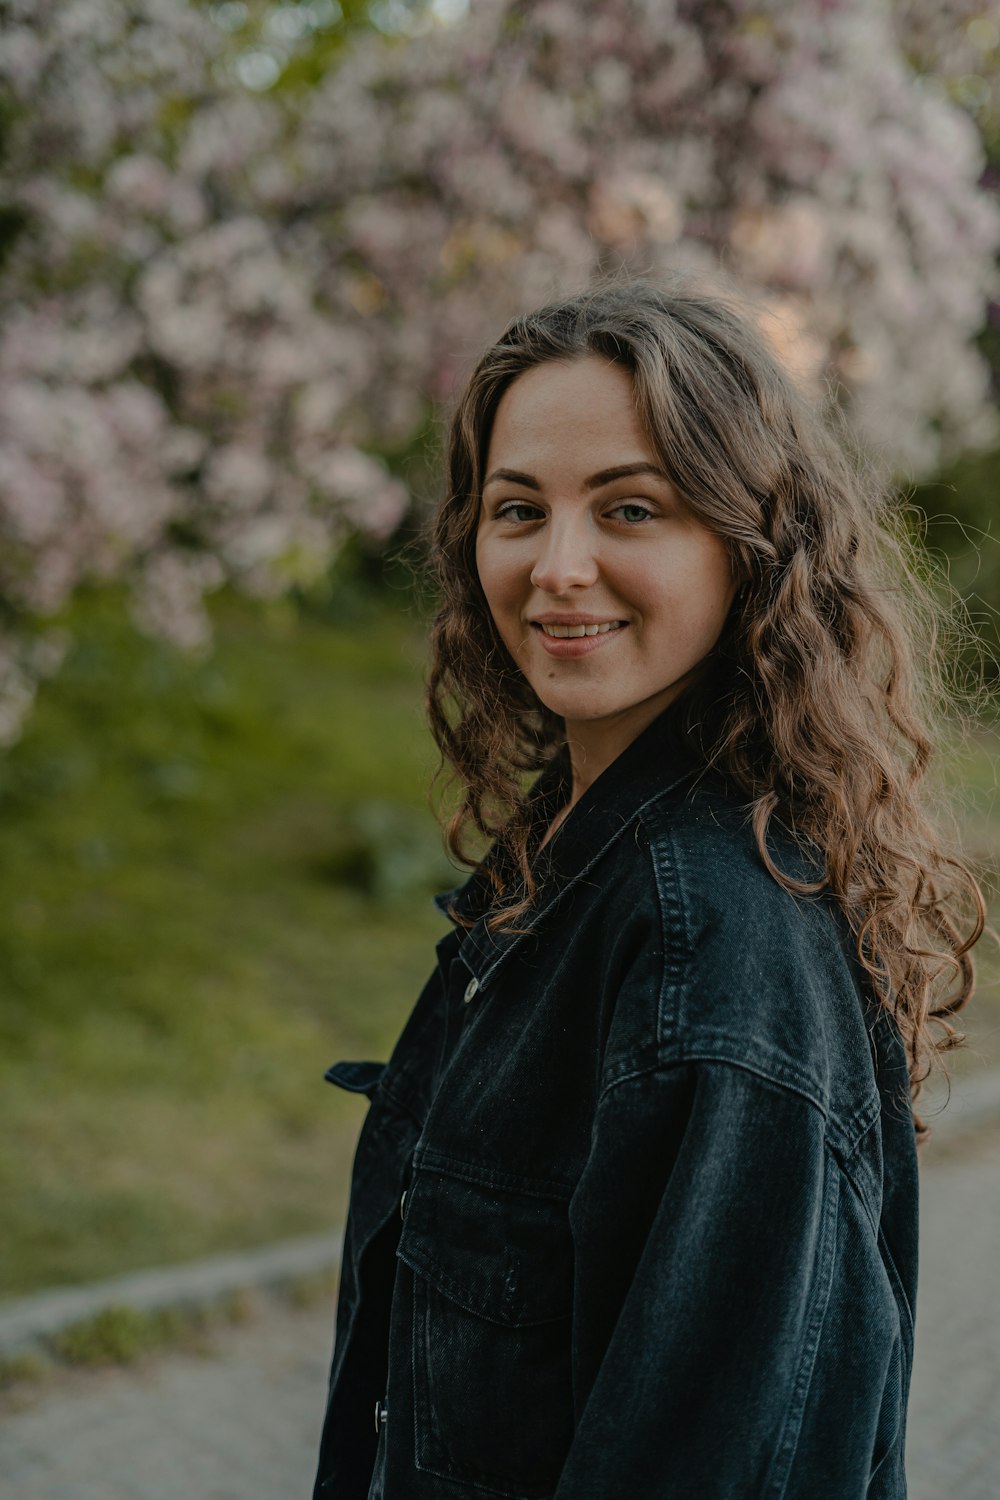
(689, 592)
(498, 577)
(712, 589)
(715, 567)
(484, 570)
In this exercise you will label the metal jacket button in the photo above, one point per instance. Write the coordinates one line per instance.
(470, 989)
(381, 1414)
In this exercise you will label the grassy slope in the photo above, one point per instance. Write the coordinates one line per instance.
(177, 965)
(178, 962)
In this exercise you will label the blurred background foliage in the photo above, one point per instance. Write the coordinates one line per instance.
(215, 879)
(246, 251)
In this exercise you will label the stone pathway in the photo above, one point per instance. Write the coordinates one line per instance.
(242, 1422)
(953, 1427)
(239, 1423)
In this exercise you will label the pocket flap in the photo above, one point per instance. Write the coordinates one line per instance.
(356, 1077)
(506, 1256)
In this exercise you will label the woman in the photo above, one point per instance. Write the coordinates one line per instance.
(634, 1209)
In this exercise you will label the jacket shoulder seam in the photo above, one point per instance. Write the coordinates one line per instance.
(676, 1064)
(682, 1037)
(674, 923)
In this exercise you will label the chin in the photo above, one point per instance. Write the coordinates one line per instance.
(583, 712)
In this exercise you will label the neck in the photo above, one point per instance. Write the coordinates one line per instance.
(594, 743)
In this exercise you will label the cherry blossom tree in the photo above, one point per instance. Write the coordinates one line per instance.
(223, 304)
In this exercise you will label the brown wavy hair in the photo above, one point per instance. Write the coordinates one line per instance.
(823, 695)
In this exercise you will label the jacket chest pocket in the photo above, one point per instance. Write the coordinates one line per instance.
(492, 1295)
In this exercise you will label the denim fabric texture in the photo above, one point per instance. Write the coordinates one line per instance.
(659, 1232)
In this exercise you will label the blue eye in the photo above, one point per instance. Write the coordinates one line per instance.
(631, 512)
(508, 511)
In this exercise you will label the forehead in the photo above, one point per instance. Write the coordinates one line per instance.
(578, 413)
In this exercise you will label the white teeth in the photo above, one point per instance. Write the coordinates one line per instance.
(573, 632)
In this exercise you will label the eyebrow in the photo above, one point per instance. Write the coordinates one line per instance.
(595, 482)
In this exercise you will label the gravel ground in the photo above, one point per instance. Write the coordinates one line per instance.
(241, 1422)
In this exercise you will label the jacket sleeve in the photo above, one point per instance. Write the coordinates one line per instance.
(703, 1226)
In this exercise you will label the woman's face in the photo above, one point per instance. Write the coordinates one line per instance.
(605, 589)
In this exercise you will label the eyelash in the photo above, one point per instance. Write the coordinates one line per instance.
(504, 511)
(633, 505)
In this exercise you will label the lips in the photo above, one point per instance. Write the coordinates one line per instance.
(566, 637)
(577, 632)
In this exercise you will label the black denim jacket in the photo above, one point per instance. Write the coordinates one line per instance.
(634, 1207)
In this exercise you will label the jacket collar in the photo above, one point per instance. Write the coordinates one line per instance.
(662, 759)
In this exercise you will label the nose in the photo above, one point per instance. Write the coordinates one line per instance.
(566, 558)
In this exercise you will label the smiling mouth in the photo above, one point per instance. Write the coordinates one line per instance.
(574, 632)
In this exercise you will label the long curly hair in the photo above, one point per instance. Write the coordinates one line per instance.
(825, 691)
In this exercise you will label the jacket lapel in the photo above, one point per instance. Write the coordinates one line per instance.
(661, 760)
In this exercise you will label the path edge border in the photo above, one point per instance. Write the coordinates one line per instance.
(28, 1325)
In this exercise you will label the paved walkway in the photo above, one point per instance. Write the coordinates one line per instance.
(954, 1418)
(242, 1423)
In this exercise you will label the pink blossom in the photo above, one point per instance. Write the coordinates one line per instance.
(260, 291)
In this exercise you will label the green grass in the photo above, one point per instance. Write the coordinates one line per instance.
(181, 951)
(972, 771)
(214, 881)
